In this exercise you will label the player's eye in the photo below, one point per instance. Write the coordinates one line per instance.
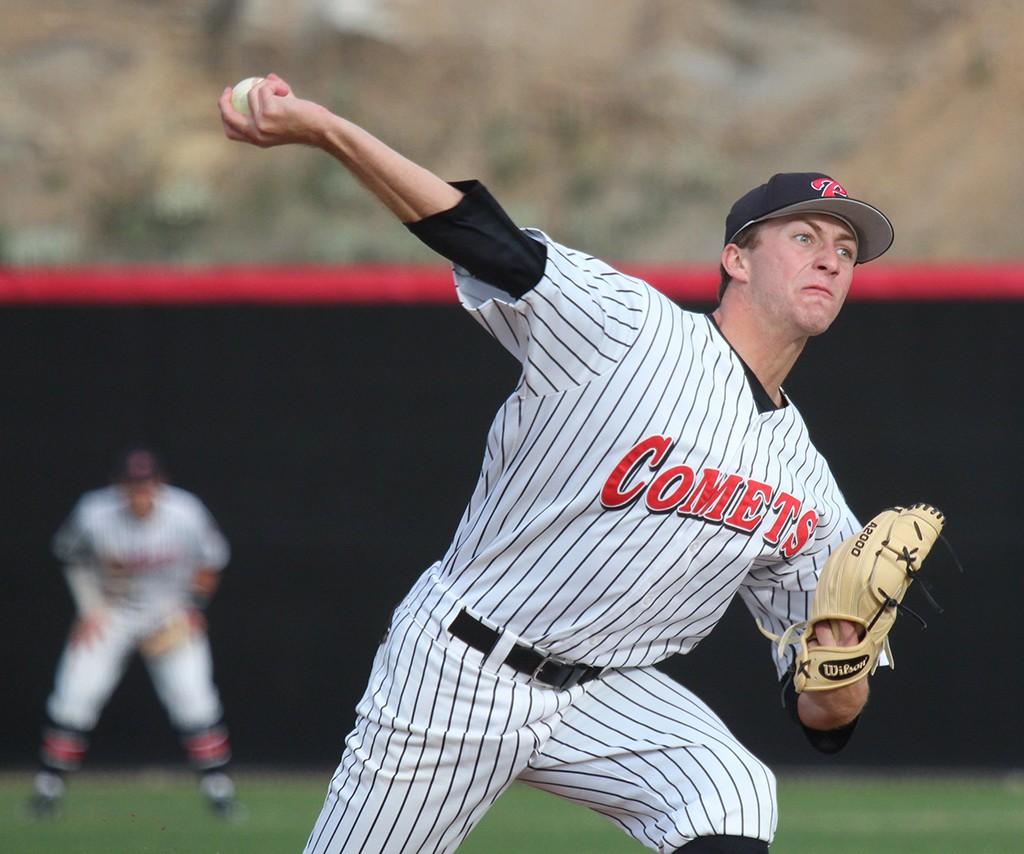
(846, 252)
(804, 238)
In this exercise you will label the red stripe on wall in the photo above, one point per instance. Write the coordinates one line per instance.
(268, 285)
(388, 284)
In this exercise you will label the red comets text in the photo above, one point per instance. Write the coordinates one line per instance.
(713, 495)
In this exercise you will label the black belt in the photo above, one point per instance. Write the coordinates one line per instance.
(542, 668)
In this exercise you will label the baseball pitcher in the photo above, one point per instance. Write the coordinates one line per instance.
(647, 468)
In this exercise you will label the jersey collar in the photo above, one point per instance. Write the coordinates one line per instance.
(762, 399)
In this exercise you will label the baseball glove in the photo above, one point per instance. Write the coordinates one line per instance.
(176, 628)
(863, 582)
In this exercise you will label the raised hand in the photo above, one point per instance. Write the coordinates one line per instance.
(277, 116)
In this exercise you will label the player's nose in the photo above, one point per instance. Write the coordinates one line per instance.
(828, 258)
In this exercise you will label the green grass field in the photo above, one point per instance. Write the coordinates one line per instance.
(156, 813)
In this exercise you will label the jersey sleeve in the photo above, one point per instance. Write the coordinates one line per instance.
(479, 236)
(72, 544)
(779, 594)
(575, 324)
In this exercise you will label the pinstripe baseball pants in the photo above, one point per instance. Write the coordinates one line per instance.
(443, 730)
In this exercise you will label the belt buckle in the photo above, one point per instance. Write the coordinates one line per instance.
(574, 673)
(544, 662)
(535, 675)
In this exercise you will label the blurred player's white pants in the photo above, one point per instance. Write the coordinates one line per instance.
(442, 730)
(89, 671)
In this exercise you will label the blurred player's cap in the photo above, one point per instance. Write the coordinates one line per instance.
(137, 464)
(802, 192)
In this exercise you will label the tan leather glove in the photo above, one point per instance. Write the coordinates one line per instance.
(862, 581)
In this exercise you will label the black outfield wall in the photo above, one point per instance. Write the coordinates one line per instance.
(337, 445)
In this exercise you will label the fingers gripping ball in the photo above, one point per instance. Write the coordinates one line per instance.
(863, 582)
(240, 94)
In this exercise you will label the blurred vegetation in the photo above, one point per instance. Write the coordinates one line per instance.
(626, 127)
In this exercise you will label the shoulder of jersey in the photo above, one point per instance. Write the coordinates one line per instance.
(176, 499)
(99, 499)
(701, 326)
(107, 499)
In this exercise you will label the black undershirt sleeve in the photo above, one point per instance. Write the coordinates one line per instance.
(479, 236)
(825, 741)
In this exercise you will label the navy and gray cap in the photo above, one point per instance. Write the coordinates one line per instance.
(812, 192)
(137, 464)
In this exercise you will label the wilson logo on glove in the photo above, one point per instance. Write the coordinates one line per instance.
(840, 669)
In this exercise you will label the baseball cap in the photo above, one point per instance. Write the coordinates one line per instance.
(812, 192)
(137, 464)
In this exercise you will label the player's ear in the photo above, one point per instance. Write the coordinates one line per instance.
(734, 262)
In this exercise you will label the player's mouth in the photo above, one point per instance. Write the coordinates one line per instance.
(815, 289)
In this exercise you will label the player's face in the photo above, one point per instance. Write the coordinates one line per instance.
(800, 271)
(140, 496)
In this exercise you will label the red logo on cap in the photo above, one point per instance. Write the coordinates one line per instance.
(828, 188)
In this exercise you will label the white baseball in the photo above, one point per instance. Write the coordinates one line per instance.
(240, 94)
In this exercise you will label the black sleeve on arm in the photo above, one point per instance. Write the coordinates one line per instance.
(478, 235)
(825, 741)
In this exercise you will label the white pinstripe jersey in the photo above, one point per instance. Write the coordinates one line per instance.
(143, 564)
(630, 486)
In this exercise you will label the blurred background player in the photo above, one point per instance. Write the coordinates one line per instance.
(142, 559)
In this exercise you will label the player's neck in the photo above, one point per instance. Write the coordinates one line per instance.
(769, 353)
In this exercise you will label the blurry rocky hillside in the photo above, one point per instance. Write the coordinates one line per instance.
(626, 127)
